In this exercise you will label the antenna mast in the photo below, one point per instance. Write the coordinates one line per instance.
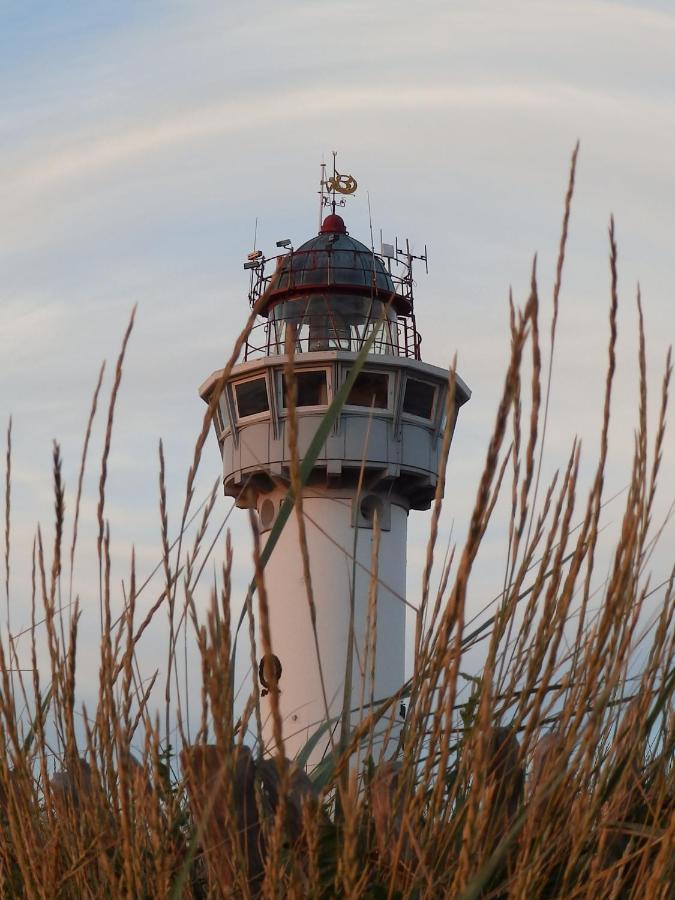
(322, 196)
(370, 220)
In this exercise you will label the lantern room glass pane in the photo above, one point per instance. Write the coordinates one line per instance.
(418, 399)
(312, 388)
(251, 397)
(370, 389)
(332, 322)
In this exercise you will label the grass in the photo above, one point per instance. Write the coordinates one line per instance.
(550, 774)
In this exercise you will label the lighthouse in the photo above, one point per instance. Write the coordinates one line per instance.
(379, 462)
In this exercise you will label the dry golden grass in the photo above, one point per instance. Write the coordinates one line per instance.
(553, 778)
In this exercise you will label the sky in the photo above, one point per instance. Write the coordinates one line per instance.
(139, 143)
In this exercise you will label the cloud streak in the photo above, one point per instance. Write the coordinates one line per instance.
(87, 156)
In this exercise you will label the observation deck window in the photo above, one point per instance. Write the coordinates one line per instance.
(371, 389)
(312, 388)
(418, 399)
(251, 396)
(222, 415)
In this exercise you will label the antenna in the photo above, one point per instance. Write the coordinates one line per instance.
(322, 197)
(405, 258)
(370, 221)
(254, 258)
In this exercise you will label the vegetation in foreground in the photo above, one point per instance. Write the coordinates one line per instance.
(551, 776)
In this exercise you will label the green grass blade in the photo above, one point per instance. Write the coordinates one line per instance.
(304, 754)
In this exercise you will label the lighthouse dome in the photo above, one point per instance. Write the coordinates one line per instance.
(334, 262)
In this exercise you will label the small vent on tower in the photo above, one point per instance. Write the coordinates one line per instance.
(370, 505)
(267, 514)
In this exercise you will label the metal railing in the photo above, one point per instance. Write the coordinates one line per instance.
(325, 332)
(300, 270)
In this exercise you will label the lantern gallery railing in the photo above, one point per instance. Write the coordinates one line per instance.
(326, 268)
(329, 332)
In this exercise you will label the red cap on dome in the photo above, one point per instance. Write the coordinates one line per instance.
(333, 224)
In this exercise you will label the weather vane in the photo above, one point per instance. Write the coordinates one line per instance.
(336, 184)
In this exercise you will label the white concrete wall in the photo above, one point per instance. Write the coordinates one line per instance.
(301, 700)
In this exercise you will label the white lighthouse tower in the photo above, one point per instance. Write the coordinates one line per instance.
(381, 455)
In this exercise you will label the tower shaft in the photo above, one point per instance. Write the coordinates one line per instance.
(341, 567)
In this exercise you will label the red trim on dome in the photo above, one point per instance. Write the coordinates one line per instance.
(333, 224)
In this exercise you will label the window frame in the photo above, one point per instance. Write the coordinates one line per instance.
(321, 407)
(367, 410)
(223, 404)
(408, 416)
(253, 417)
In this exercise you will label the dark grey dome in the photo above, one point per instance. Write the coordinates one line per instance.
(332, 262)
(332, 259)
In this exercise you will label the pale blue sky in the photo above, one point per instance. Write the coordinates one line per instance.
(139, 141)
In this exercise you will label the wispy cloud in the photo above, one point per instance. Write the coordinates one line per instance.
(84, 156)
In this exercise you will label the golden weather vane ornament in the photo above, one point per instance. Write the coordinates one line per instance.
(345, 185)
(342, 184)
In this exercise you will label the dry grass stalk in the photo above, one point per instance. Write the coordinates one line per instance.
(8, 512)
